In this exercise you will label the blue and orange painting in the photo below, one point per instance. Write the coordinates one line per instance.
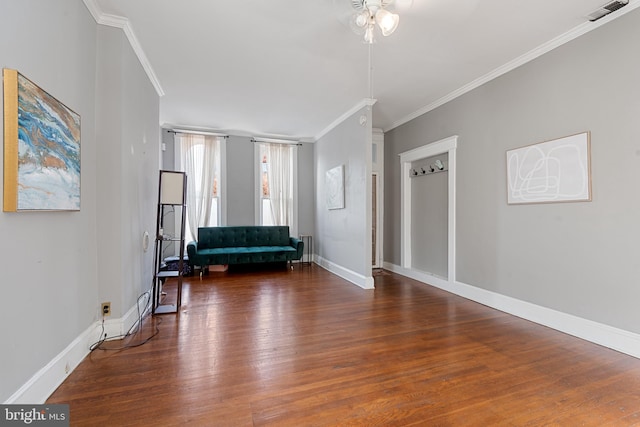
(48, 151)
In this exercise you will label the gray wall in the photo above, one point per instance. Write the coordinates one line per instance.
(343, 236)
(131, 116)
(241, 172)
(306, 189)
(168, 155)
(578, 258)
(48, 259)
(51, 270)
(429, 219)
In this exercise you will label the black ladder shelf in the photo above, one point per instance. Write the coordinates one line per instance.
(172, 193)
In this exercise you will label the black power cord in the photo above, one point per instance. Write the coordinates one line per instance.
(135, 328)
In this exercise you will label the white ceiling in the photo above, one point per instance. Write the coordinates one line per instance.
(291, 68)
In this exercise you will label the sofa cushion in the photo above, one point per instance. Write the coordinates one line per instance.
(259, 254)
(240, 236)
(259, 249)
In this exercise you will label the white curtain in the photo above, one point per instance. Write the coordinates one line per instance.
(280, 178)
(199, 154)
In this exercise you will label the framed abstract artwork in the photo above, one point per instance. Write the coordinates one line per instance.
(553, 171)
(335, 187)
(41, 149)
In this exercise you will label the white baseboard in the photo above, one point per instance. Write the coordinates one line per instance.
(44, 382)
(353, 277)
(597, 333)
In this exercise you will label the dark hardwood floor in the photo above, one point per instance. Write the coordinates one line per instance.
(306, 348)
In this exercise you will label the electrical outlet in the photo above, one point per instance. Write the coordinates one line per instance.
(106, 309)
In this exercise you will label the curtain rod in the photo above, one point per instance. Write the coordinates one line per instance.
(276, 141)
(197, 132)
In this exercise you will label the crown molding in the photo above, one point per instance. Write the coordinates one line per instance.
(521, 60)
(367, 102)
(115, 21)
(94, 9)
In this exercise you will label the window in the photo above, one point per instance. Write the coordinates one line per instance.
(277, 185)
(266, 215)
(200, 157)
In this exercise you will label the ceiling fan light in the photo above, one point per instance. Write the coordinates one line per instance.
(387, 21)
(362, 19)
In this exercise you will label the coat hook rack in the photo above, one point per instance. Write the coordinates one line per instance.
(435, 167)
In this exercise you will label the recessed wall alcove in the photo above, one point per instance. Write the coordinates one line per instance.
(407, 159)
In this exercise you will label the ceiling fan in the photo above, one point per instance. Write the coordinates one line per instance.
(367, 15)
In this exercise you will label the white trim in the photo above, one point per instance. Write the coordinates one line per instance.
(377, 261)
(614, 338)
(94, 9)
(44, 382)
(123, 23)
(517, 62)
(378, 169)
(405, 219)
(452, 212)
(349, 275)
(446, 145)
(367, 102)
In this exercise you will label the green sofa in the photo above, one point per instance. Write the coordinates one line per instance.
(243, 245)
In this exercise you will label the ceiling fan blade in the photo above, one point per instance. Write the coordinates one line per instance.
(397, 5)
(357, 4)
(346, 12)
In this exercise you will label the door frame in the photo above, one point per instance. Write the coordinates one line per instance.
(448, 146)
(377, 168)
(377, 257)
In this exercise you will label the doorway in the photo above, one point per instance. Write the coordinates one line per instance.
(408, 160)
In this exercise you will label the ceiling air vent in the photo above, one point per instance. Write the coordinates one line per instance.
(603, 11)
